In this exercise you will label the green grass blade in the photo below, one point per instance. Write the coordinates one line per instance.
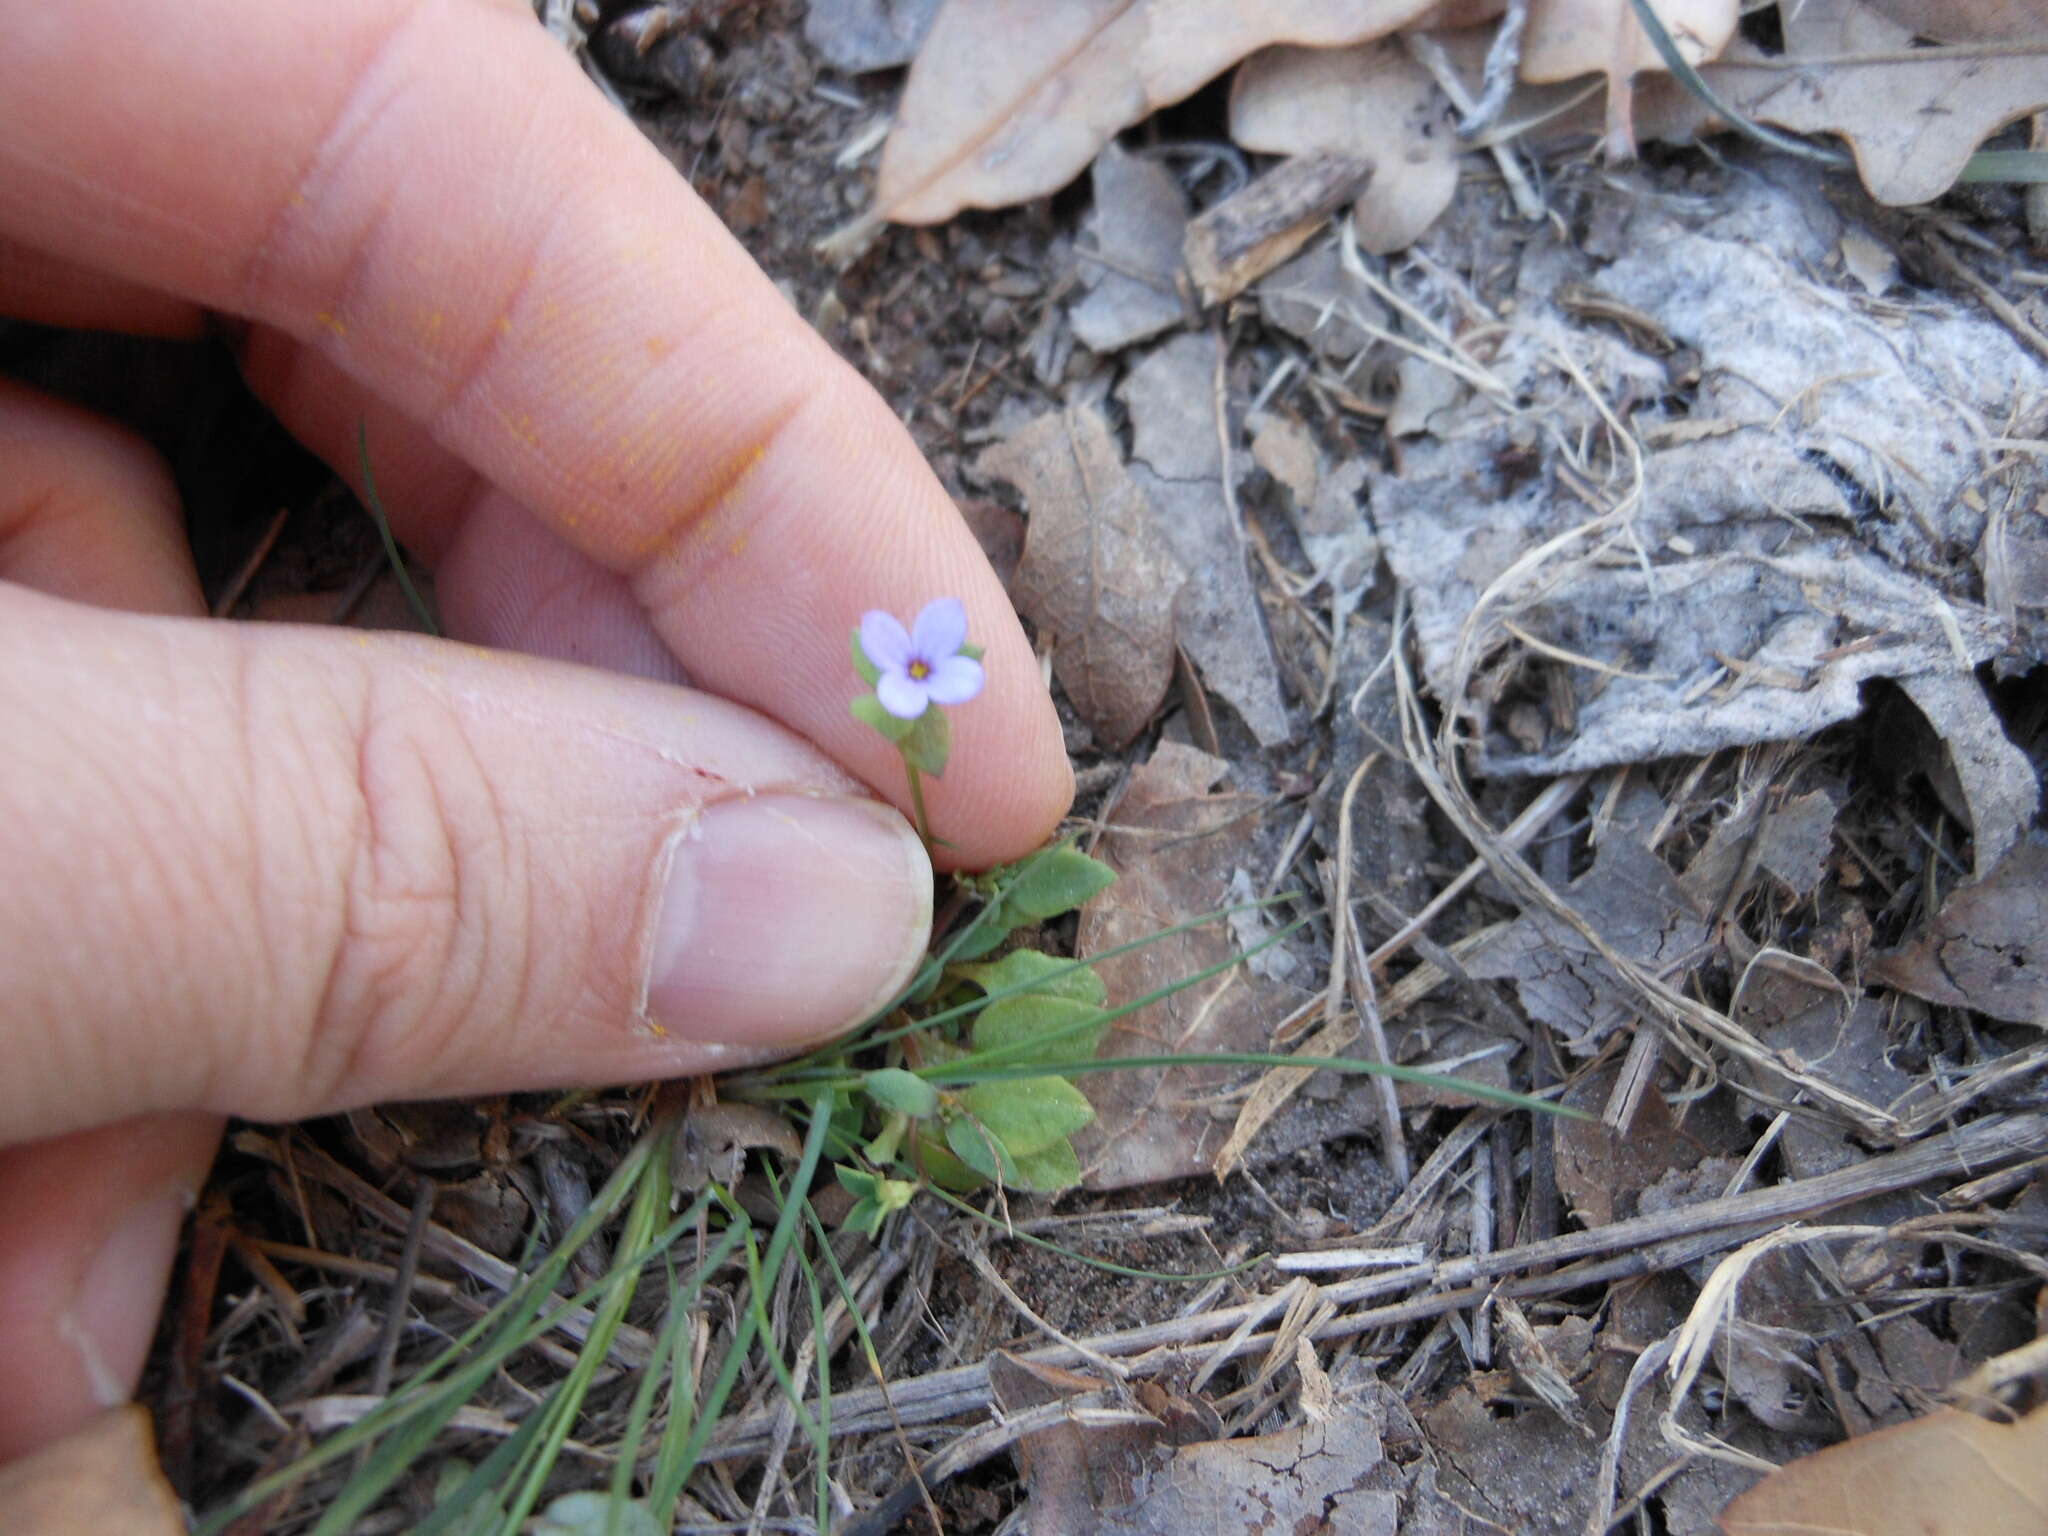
(391, 550)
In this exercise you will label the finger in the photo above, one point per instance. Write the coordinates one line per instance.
(92, 1219)
(39, 287)
(92, 1224)
(276, 871)
(493, 251)
(87, 511)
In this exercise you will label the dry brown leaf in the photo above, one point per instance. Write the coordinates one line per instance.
(1010, 99)
(101, 1479)
(1096, 573)
(1173, 849)
(1373, 103)
(1910, 125)
(1988, 948)
(1949, 1474)
(1968, 21)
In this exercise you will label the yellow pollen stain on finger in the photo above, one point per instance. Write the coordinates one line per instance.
(710, 518)
(331, 322)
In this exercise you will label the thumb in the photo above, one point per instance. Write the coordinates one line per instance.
(277, 872)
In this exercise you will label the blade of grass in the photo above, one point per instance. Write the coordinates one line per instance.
(670, 1488)
(391, 550)
(509, 1325)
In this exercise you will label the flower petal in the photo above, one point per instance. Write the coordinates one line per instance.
(955, 680)
(940, 630)
(885, 640)
(902, 695)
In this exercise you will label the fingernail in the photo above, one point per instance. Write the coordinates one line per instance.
(785, 918)
(113, 1316)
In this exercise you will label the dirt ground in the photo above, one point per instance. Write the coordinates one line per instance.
(1802, 886)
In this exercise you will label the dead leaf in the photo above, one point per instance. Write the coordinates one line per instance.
(1174, 845)
(1948, 1474)
(1309, 1480)
(1314, 298)
(1373, 103)
(1075, 1473)
(1635, 904)
(1910, 125)
(859, 36)
(1998, 782)
(1010, 99)
(1602, 1173)
(1096, 573)
(1138, 223)
(713, 1141)
(1966, 21)
(1177, 458)
(1988, 948)
(101, 1478)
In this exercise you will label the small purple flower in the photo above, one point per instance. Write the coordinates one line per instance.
(923, 666)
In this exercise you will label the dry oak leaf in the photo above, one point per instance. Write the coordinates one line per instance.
(1373, 103)
(1010, 99)
(1910, 124)
(1096, 575)
(1949, 1474)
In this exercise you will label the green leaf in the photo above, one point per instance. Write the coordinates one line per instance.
(971, 651)
(903, 1092)
(857, 1182)
(867, 709)
(1037, 973)
(864, 1217)
(869, 672)
(941, 1167)
(1056, 881)
(1020, 1027)
(1049, 1171)
(1028, 1114)
(981, 1150)
(928, 742)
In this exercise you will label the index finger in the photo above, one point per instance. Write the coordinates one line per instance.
(429, 195)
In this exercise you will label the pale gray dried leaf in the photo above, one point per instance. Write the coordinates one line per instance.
(1287, 451)
(1096, 573)
(1313, 1478)
(1765, 573)
(1137, 225)
(1634, 903)
(1314, 298)
(1421, 390)
(1009, 99)
(1373, 102)
(860, 36)
(1911, 125)
(1987, 949)
(1177, 457)
(1176, 837)
(1999, 784)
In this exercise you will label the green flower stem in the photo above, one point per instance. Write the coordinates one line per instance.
(924, 824)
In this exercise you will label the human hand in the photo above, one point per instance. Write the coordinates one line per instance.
(278, 872)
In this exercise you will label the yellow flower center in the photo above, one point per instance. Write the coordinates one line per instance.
(920, 670)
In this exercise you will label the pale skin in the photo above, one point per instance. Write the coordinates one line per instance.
(275, 872)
